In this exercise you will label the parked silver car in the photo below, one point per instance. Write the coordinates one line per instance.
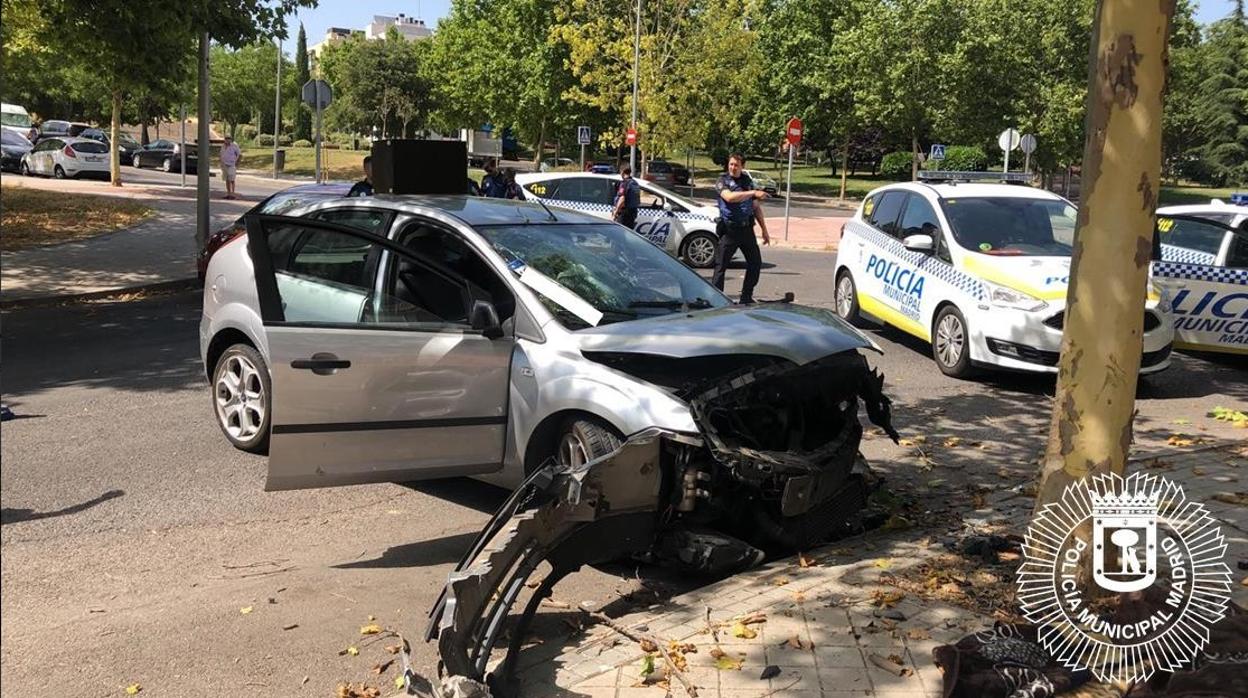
(406, 338)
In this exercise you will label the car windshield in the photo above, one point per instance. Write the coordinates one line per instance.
(1012, 226)
(15, 120)
(593, 274)
(127, 139)
(279, 204)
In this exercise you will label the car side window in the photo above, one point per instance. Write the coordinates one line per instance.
(919, 218)
(885, 210)
(587, 190)
(543, 188)
(441, 281)
(370, 220)
(322, 276)
(1199, 236)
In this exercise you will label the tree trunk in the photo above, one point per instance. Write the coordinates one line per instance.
(114, 150)
(541, 145)
(144, 138)
(844, 168)
(1091, 428)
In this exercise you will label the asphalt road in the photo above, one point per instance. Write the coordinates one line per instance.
(134, 536)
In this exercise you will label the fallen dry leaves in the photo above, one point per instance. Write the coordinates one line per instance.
(346, 690)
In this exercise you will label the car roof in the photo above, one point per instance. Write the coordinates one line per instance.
(327, 188)
(476, 210)
(977, 190)
(1220, 207)
(524, 177)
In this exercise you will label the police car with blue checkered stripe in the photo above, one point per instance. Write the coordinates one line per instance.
(684, 228)
(977, 269)
(1203, 270)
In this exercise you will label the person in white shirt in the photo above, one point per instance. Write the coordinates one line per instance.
(230, 154)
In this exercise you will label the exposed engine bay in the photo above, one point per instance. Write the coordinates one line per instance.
(774, 468)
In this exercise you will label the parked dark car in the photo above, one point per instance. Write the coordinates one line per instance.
(661, 173)
(13, 145)
(126, 146)
(165, 155)
(275, 205)
(600, 168)
(681, 175)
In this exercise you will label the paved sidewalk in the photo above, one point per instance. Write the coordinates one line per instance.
(160, 250)
(833, 625)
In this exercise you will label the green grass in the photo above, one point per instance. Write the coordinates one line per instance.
(1192, 194)
(345, 165)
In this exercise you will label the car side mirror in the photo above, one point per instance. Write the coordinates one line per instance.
(919, 243)
(484, 317)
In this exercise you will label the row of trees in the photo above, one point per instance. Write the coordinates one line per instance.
(865, 75)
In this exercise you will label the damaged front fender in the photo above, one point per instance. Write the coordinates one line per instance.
(602, 510)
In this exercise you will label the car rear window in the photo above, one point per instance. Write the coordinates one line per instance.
(660, 167)
(89, 147)
(1192, 235)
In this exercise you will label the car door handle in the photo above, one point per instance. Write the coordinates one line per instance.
(321, 364)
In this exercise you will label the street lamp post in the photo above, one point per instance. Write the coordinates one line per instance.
(632, 154)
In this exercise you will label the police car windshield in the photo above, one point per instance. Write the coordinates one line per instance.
(609, 267)
(1012, 226)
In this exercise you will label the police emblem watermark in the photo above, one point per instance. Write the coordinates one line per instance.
(1158, 580)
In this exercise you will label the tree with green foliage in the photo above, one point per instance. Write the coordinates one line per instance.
(1222, 104)
(303, 117)
(242, 83)
(376, 83)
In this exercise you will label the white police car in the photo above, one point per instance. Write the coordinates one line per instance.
(979, 270)
(1204, 273)
(684, 228)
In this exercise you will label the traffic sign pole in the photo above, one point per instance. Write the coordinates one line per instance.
(318, 132)
(788, 194)
(793, 136)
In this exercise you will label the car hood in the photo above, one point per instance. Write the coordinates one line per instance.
(1045, 278)
(797, 333)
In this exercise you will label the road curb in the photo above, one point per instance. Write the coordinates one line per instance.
(45, 301)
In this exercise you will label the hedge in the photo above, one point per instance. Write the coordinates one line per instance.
(896, 165)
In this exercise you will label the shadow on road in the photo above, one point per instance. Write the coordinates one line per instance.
(143, 345)
(425, 553)
(8, 516)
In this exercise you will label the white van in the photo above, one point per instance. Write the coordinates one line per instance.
(15, 118)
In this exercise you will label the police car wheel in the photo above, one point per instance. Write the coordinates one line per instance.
(847, 299)
(951, 343)
(699, 250)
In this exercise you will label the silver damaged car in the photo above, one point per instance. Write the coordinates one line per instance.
(633, 409)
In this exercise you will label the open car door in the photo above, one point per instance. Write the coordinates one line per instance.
(371, 381)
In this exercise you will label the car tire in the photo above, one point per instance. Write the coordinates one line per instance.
(846, 299)
(583, 440)
(951, 343)
(242, 398)
(698, 250)
(167, 165)
(25, 168)
(58, 172)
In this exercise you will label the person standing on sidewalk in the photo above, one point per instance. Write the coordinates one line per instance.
(230, 154)
(627, 199)
(739, 209)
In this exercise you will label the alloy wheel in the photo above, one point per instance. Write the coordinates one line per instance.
(950, 340)
(572, 451)
(701, 251)
(845, 296)
(240, 398)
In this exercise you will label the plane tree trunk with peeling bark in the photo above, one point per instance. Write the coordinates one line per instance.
(1091, 428)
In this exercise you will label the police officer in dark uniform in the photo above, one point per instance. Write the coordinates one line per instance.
(494, 183)
(739, 208)
(627, 199)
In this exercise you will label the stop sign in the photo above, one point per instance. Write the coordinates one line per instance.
(630, 136)
(793, 131)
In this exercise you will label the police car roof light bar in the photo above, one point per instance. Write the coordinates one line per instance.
(952, 176)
